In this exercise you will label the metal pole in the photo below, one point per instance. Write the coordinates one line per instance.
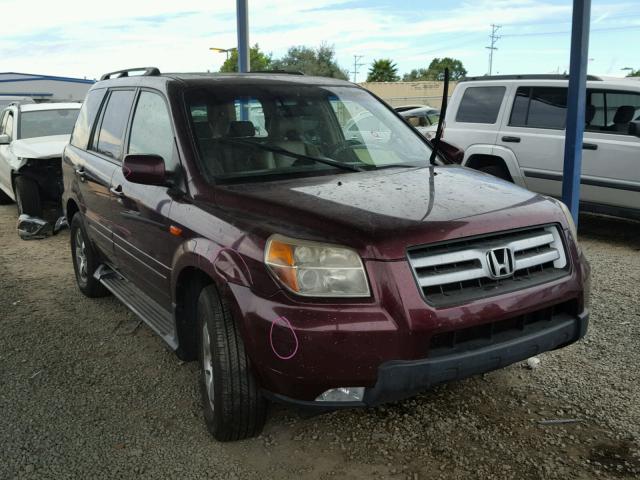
(576, 99)
(243, 35)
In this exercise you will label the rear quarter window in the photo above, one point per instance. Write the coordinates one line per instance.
(480, 105)
(86, 117)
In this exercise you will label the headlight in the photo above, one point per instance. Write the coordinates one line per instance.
(316, 269)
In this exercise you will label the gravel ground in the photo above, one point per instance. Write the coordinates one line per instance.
(88, 392)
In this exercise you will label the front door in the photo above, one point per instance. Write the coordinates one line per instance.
(143, 243)
(6, 127)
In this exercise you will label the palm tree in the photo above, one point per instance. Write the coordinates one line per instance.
(383, 70)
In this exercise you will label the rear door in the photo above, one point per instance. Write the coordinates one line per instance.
(143, 243)
(95, 167)
(534, 130)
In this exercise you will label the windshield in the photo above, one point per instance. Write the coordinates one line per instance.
(245, 132)
(43, 123)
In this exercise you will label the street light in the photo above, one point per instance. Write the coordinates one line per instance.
(223, 50)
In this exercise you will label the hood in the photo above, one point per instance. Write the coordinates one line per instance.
(381, 213)
(40, 147)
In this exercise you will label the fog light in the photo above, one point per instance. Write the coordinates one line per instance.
(342, 394)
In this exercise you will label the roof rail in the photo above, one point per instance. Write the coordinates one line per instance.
(535, 76)
(148, 72)
(287, 72)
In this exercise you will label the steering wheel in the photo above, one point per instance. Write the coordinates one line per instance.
(340, 147)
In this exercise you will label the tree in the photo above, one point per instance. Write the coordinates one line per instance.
(634, 73)
(258, 60)
(436, 70)
(311, 61)
(437, 66)
(416, 75)
(383, 70)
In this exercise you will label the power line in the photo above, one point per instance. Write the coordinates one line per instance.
(494, 38)
(356, 64)
(607, 29)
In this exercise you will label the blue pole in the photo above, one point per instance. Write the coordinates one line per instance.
(243, 35)
(576, 100)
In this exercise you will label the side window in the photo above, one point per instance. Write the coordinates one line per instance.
(3, 119)
(595, 118)
(86, 117)
(151, 129)
(255, 114)
(622, 108)
(480, 105)
(8, 126)
(539, 107)
(114, 121)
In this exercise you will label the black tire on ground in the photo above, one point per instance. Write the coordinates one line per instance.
(497, 171)
(233, 406)
(85, 260)
(4, 198)
(28, 197)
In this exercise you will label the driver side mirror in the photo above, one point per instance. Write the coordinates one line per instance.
(145, 169)
(634, 128)
(5, 139)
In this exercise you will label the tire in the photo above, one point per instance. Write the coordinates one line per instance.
(28, 197)
(4, 198)
(233, 407)
(85, 260)
(497, 171)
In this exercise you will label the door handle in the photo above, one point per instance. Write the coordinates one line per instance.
(589, 146)
(81, 174)
(117, 191)
(511, 139)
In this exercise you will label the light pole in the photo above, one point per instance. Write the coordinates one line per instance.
(223, 50)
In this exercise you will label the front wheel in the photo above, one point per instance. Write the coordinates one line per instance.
(497, 171)
(85, 260)
(233, 407)
(28, 197)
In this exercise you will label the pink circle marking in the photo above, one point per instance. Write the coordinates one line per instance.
(287, 324)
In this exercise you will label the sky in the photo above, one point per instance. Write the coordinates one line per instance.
(85, 39)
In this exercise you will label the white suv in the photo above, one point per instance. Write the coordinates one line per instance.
(514, 127)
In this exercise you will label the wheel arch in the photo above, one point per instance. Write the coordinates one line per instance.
(478, 156)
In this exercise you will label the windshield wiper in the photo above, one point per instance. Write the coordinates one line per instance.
(289, 153)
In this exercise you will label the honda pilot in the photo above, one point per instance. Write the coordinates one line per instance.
(302, 262)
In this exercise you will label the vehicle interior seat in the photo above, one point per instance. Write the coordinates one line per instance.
(622, 118)
(589, 114)
(288, 137)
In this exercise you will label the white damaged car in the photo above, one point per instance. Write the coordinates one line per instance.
(32, 138)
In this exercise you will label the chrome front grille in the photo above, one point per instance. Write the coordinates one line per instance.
(465, 270)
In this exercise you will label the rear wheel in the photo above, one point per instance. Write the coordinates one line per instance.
(85, 260)
(233, 407)
(28, 197)
(497, 171)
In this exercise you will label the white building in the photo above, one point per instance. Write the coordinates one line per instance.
(43, 87)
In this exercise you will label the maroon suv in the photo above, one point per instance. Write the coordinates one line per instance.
(251, 223)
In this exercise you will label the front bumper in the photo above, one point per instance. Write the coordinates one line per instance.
(398, 379)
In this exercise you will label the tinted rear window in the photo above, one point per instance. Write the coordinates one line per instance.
(539, 107)
(88, 112)
(480, 105)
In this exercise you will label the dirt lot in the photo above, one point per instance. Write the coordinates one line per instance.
(87, 392)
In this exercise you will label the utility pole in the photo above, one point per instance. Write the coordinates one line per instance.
(356, 64)
(494, 38)
(243, 35)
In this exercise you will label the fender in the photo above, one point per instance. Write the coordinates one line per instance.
(507, 156)
(223, 265)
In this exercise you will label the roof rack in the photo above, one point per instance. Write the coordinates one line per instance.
(287, 72)
(539, 76)
(148, 72)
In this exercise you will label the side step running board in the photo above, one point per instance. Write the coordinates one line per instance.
(158, 318)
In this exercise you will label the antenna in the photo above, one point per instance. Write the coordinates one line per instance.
(356, 64)
(494, 38)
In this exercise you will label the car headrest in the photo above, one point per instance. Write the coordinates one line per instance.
(589, 113)
(241, 128)
(624, 114)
